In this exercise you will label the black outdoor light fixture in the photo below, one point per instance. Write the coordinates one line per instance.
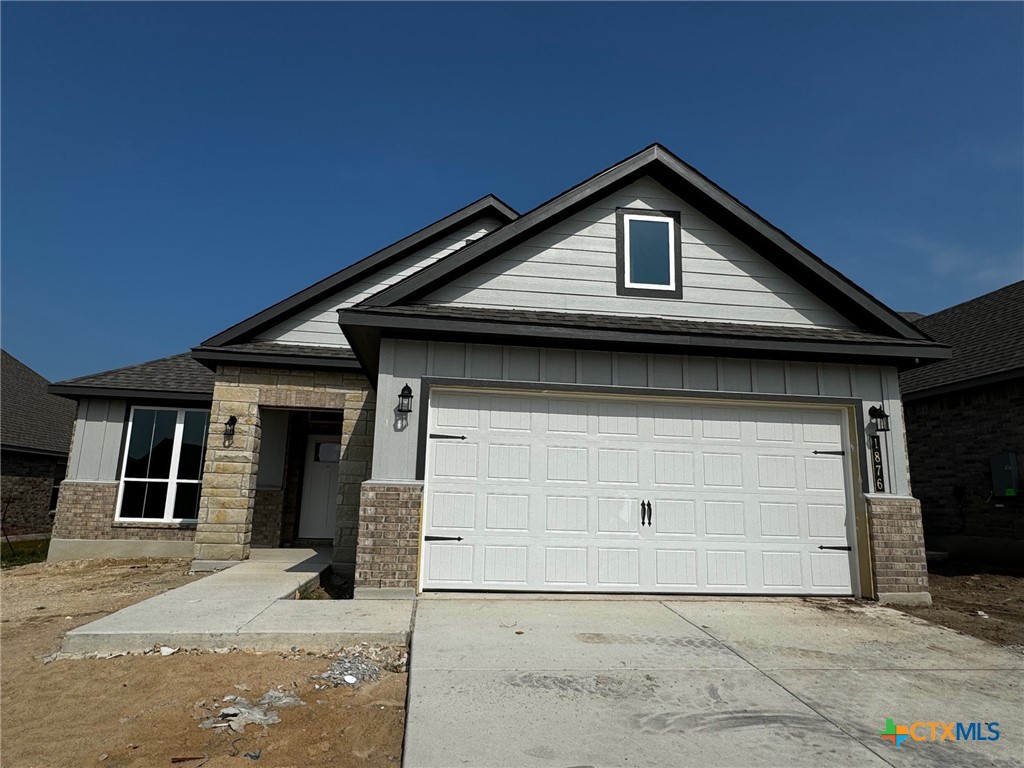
(405, 400)
(229, 426)
(879, 417)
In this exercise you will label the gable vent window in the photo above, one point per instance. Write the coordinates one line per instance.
(647, 246)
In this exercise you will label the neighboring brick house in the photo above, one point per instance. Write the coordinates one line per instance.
(965, 426)
(639, 386)
(36, 434)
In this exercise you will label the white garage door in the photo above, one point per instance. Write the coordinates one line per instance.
(566, 493)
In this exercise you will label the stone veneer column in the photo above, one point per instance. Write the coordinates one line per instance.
(389, 534)
(224, 529)
(897, 550)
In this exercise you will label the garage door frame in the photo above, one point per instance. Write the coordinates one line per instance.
(853, 428)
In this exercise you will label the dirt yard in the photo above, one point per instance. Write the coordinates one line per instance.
(147, 710)
(969, 600)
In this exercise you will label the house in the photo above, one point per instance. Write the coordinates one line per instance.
(638, 386)
(965, 429)
(35, 434)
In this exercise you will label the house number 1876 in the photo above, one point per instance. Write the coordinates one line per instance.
(876, 464)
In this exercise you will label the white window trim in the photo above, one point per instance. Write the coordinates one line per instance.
(172, 479)
(672, 256)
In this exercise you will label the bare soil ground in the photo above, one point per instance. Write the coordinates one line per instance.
(961, 590)
(146, 710)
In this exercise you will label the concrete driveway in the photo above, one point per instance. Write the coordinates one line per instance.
(646, 682)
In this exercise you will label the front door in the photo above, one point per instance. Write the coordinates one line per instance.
(320, 488)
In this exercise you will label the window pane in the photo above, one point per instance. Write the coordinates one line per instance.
(186, 501)
(142, 499)
(328, 452)
(649, 261)
(142, 438)
(163, 444)
(193, 446)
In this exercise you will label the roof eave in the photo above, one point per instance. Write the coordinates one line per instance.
(962, 385)
(79, 391)
(211, 357)
(487, 205)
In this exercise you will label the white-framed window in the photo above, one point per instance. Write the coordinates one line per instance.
(649, 262)
(163, 464)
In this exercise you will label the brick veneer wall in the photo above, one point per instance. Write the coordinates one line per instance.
(897, 547)
(389, 534)
(26, 485)
(952, 439)
(266, 517)
(86, 511)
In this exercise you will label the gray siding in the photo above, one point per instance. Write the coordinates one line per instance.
(318, 325)
(571, 267)
(96, 446)
(407, 362)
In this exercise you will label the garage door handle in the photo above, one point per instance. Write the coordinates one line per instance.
(442, 538)
(645, 512)
(829, 453)
(841, 549)
(447, 437)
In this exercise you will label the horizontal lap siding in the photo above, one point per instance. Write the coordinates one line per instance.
(318, 325)
(571, 267)
(407, 362)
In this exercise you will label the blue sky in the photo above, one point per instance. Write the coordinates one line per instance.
(170, 169)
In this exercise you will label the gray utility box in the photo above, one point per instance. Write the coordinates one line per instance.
(1005, 474)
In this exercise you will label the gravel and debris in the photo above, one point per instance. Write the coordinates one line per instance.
(346, 670)
(242, 712)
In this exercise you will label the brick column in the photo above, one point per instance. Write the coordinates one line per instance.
(900, 569)
(389, 534)
(224, 529)
(353, 469)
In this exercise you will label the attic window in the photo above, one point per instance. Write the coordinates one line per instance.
(647, 245)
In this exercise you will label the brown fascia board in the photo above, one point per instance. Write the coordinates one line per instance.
(211, 357)
(697, 190)
(364, 329)
(77, 392)
(488, 205)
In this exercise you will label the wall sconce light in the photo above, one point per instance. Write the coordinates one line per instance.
(879, 417)
(229, 427)
(405, 400)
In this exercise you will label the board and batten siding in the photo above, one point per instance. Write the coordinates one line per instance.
(318, 325)
(571, 267)
(407, 362)
(96, 446)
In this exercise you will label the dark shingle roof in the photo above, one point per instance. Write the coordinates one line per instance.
(645, 324)
(178, 374)
(987, 336)
(30, 417)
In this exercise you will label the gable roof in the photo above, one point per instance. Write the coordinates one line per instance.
(987, 336)
(32, 419)
(489, 205)
(696, 190)
(177, 377)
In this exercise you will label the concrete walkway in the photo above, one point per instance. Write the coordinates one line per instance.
(248, 606)
(499, 682)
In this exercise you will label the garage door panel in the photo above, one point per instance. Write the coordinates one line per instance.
(508, 462)
(453, 510)
(566, 566)
(722, 470)
(824, 473)
(568, 464)
(566, 514)
(507, 512)
(673, 468)
(618, 567)
(546, 492)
